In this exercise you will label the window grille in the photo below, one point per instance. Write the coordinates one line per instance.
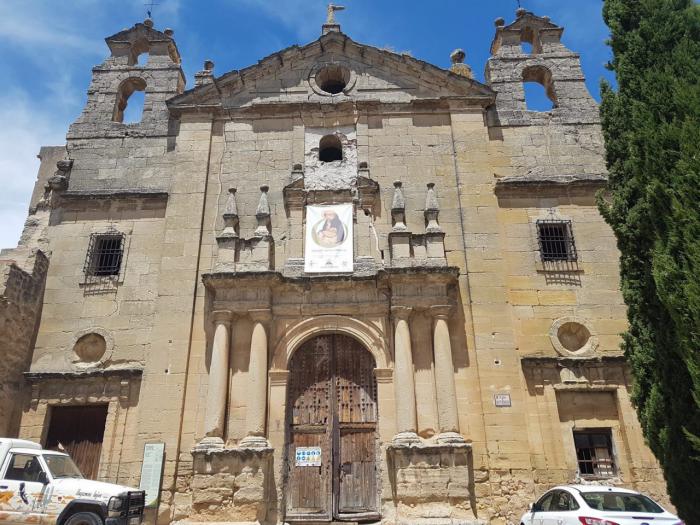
(556, 240)
(594, 453)
(104, 255)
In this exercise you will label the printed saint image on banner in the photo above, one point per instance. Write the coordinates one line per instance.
(328, 246)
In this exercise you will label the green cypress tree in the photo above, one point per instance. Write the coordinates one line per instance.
(651, 125)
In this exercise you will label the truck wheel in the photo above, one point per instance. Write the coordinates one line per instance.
(84, 518)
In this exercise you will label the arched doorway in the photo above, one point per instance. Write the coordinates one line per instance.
(331, 432)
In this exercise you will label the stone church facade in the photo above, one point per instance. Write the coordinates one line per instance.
(467, 360)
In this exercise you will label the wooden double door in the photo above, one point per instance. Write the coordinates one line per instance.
(331, 432)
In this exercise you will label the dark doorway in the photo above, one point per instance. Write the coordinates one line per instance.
(332, 416)
(79, 430)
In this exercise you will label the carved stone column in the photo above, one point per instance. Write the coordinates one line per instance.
(448, 419)
(404, 378)
(257, 386)
(217, 394)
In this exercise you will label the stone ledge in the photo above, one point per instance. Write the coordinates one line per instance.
(533, 361)
(516, 184)
(114, 194)
(79, 374)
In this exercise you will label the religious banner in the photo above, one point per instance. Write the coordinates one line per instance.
(328, 246)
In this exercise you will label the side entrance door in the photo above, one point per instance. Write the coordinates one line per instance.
(331, 432)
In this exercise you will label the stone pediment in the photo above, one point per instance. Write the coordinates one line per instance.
(296, 75)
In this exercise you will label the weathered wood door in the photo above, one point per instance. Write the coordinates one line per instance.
(331, 406)
(79, 430)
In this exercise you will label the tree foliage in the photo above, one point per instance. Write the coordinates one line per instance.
(651, 125)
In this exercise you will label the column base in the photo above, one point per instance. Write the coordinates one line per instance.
(209, 443)
(254, 442)
(405, 438)
(450, 437)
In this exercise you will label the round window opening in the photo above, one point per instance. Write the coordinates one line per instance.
(573, 336)
(333, 79)
(90, 347)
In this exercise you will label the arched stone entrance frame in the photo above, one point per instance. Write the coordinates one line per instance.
(369, 335)
(291, 336)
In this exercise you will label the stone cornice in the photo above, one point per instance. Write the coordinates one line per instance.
(539, 361)
(271, 278)
(83, 374)
(554, 185)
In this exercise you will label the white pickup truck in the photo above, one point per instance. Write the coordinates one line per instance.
(44, 487)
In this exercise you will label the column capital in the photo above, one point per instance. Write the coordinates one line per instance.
(401, 312)
(278, 377)
(260, 315)
(441, 311)
(222, 316)
(384, 375)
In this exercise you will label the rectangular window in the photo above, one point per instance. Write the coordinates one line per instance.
(556, 240)
(104, 255)
(594, 453)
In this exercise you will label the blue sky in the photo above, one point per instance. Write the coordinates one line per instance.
(47, 50)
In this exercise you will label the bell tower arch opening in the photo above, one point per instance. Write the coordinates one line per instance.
(331, 431)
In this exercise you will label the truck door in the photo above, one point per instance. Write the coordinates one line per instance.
(22, 490)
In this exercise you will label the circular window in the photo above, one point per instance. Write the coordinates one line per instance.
(333, 79)
(90, 347)
(572, 337)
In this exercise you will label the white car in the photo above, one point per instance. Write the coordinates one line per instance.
(596, 505)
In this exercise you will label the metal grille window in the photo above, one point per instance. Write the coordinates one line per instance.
(594, 453)
(104, 255)
(556, 240)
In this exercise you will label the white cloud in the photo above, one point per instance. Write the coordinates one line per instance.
(25, 129)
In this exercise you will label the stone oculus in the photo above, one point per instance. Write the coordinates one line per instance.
(470, 359)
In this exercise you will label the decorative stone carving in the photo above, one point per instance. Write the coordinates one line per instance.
(91, 347)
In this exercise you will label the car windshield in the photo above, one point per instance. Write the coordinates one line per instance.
(620, 502)
(62, 466)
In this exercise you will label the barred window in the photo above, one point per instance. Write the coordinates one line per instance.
(594, 453)
(104, 255)
(556, 240)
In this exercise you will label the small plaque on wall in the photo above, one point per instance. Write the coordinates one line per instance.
(152, 472)
(501, 400)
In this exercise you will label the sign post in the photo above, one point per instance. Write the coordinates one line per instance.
(152, 472)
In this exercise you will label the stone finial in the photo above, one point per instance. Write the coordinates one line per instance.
(331, 25)
(520, 11)
(330, 13)
(262, 213)
(205, 76)
(398, 208)
(168, 32)
(230, 215)
(432, 210)
(148, 22)
(458, 66)
(499, 22)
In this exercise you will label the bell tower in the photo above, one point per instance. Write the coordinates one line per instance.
(530, 50)
(122, 74)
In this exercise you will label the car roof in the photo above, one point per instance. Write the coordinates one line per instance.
(597, 488)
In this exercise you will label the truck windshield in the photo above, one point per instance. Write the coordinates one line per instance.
(620, 502)
(62, 466)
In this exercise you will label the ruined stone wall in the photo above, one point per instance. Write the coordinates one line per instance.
(21, 295)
